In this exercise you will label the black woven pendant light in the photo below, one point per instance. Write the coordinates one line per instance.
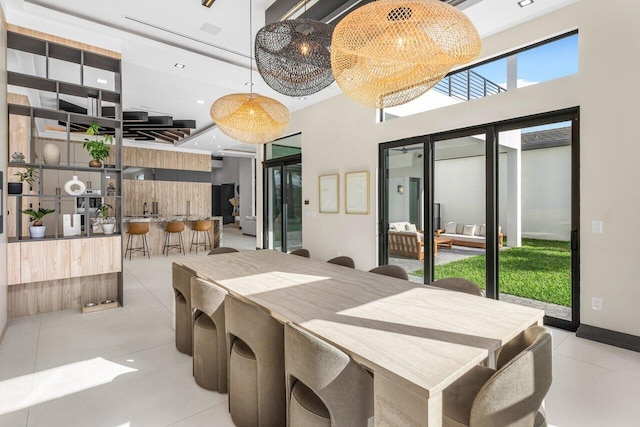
(294, 56)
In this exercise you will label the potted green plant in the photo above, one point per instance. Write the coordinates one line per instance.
(98, 148)
(108, 223)
(36, 229)
(30, 175)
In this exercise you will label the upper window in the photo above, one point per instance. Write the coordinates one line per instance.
(283, 147)
(539, 63)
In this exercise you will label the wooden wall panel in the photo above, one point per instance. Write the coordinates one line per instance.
(13, 264)
(43, 297)
(60, 40)
(149, 158)
(19, 135)
(106, 256)
(46, 260)
(171, 196)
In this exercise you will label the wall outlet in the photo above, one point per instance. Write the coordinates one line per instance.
(596, 227)
(596, 303)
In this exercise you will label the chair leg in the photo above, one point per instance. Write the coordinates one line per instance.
(164, 247)
(128, 248)
(145, 246)
(193, 235)
(207, 237)
(182, 245)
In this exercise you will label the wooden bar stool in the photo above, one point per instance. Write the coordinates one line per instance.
(173, 228)
(201, 227)
(137, 229)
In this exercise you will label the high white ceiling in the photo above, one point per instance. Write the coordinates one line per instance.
(213, 44)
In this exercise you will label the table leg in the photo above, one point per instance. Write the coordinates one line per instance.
(396, 405)
(435, 248)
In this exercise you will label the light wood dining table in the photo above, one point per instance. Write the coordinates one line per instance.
(415, 339)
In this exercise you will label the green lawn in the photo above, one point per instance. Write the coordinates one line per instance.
(539, 270)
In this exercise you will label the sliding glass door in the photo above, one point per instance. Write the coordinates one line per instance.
(500, 207)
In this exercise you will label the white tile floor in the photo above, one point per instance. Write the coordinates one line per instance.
(120, 368)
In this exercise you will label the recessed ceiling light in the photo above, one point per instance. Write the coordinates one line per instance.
(248, 84)
(213, 136)
(218, 146)
(102, 81)
(179, 65)
(199, 101)
(195, 143)
(523, 3)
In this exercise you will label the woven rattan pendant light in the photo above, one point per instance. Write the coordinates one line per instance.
(250, 117)
(389, 52)
(293, 56)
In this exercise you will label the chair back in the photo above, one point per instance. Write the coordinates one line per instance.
(514, 394)
(222, 250)
(138, 228)
(345, 261)
(265, 337)
(459, 284)
(204, 225)
(391, 271)
(207, 299)
(344, 387)
(301, 252)
(174, 227)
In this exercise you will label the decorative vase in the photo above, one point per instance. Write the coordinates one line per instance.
(15, 187)
(75, 187)
(95, 164)
(37, 232)
(108, 228)
(51, 154)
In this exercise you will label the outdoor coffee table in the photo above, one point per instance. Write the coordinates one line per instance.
(437, 241)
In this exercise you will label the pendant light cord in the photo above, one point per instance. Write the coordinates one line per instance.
(250, 48)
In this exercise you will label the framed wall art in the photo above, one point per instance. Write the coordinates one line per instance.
(357, 193)
(329, 188)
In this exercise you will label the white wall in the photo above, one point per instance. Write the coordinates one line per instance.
(245, 180)
(609, 151)
(3, 167)
(230, 172)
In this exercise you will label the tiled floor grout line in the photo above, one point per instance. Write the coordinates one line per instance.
(148, 290)
(33, 372)
(557, 351)
(139, 351)
(194, 414)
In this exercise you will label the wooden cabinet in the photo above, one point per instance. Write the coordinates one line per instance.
(62, 259)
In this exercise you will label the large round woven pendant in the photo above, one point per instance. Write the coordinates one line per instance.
(250, 118)
(390, 52)
(293, 56)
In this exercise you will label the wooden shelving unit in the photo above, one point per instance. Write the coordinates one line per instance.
(104, 108)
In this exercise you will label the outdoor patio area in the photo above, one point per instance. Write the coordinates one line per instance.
(457, 253)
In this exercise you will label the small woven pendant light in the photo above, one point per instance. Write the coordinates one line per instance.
(249, 117)
(293, 56)
(390, 52)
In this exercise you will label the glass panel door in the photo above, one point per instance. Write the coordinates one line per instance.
(459, 196)
(405, 197)
(292, 208)
(273, 206)
(535, 213)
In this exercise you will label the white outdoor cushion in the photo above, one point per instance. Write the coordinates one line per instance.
(483, 230)
(477, 232)
(460, 229)
(410, 227)
(450, 227)
(463, 238)
(397, 226)
(469, 230)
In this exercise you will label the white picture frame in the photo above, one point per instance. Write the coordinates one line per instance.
(329, 193)
(357, 193)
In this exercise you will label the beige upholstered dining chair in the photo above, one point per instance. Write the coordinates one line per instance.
(510, 396)
(325, 387)
(391, 271)
(345, 261)
(301, 252)
(181, 280)
(222, 250)
(209, 335)
(255, 347)
(459, 284)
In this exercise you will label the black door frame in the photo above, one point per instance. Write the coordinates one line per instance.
(491, 132)
(280, 163)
